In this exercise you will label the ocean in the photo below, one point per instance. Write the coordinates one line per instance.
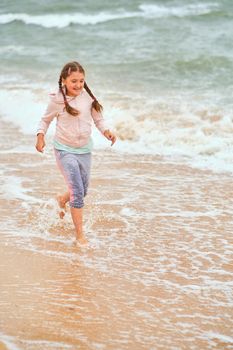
(162, 70)
(157, 272)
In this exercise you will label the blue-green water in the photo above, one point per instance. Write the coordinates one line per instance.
(163, 69)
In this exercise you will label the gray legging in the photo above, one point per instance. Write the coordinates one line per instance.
(76, 170)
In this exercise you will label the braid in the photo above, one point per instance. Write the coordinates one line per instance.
(95, 104)
(68, 108)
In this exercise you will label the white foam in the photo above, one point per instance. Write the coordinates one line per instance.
(20, 149)
(128, 212)
(12, 188)
(197, 132)
(145, 10)
(63, 20)
(158, 11)
(48, 344)
(24, 108)
(218, 336)
(9, 342)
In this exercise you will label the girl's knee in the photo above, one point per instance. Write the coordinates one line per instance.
(76, 204)
(76, 199)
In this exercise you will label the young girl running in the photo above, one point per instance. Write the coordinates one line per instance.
(74, 106)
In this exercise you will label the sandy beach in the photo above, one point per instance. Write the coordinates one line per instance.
(157, 273)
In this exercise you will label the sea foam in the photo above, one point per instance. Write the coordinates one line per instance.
(144, 10)
(199, 133)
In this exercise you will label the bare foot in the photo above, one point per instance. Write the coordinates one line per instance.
(61, 214)
(62, 205)
(81, 239)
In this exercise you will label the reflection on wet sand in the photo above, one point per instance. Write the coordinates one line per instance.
(157, 273)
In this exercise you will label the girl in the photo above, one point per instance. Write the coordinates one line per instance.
(74, 107)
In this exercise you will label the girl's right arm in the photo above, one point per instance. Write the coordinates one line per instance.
(50, 114)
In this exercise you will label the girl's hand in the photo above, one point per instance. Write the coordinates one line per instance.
(40, 144)
(110, 136)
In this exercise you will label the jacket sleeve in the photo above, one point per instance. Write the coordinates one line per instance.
(98, 120)
(50, 113)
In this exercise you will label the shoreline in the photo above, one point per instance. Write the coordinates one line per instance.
(173, 159)
(156, 274)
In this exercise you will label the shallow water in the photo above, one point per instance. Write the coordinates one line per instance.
(157, 273)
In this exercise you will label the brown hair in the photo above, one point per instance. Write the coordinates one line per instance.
(66, 71)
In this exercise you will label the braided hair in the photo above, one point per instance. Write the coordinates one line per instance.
(66, 71)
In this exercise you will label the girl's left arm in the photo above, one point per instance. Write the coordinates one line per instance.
(100, 124)
(98, 120)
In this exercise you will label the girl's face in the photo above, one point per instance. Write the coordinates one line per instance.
(74, 83)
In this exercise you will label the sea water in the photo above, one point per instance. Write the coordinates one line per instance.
(162, 70)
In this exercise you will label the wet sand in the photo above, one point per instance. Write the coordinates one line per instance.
(157, 273)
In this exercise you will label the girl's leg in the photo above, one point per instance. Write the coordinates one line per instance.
(77, 213)
(77, 217)
(70, 166)
(62, 199)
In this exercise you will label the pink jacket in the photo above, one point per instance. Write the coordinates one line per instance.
(73, 131)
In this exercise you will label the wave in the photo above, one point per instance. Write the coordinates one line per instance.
(158, 11)
(181, 126)
(144, 10)
(63, 20)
